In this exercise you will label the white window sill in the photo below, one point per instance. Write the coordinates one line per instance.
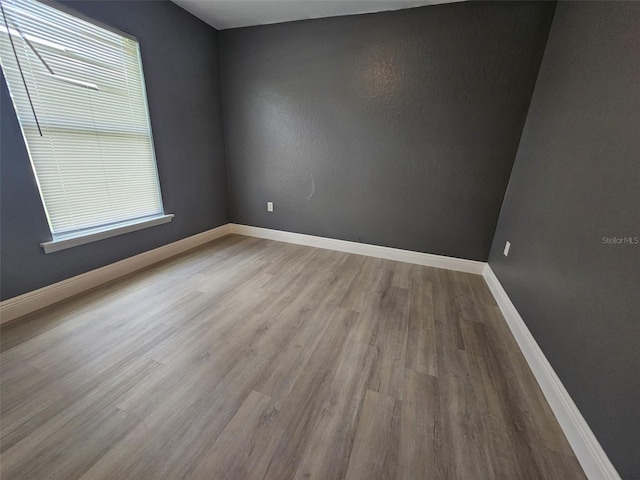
(62, 242)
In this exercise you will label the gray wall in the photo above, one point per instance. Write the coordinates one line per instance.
(180, 59)
(396, 129)
(576, 179)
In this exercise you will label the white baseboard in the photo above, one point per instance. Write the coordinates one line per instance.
(427, 259)
(13, 308)
(592, 458)
(43, 297)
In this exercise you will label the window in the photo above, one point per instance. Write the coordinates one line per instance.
(79, 93)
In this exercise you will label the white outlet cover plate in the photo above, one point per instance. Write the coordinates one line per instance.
(269, 206)
(507, 246)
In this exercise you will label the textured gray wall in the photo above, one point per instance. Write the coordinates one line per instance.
(180, 58)
(576, 179)
(396, 129)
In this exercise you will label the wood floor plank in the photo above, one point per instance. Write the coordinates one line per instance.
(66, 386)
(497, 327)
(464, 297)
(421, 313)
(81, 441)
(384, 325)
(332, 436)
(446, 314)
(416, 457)
(250, 358)
(302, 408)
(82, 431)
(375, 450)
(246, 445)
(421, 351)
(278, 381)
(553, 464)
(363, 285)
(539, 419)
(421, 342)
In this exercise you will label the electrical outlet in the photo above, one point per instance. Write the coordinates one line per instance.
(507, 246)
(269, 206)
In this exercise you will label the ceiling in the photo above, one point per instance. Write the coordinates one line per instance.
(223, 14)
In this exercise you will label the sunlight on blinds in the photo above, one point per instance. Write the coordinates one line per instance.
(79, 94)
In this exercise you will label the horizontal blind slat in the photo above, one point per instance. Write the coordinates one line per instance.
(94, 161)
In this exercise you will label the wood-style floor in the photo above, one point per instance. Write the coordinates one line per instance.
(252, 359)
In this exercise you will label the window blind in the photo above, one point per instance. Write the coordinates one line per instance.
(79, 93)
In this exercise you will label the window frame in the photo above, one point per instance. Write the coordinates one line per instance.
(88, 235)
